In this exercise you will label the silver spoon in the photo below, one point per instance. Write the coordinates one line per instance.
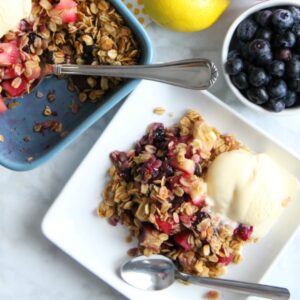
(159, 272)
(198, 73)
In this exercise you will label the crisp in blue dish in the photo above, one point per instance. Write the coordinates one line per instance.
(23, 149)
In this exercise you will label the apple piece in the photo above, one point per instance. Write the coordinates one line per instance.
(182, 240)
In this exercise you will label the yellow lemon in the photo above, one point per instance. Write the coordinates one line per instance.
(185, 15)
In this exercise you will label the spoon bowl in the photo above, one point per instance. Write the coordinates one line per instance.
(151, 274)
(159, 272)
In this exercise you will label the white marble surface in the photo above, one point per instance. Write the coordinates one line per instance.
(33, 268)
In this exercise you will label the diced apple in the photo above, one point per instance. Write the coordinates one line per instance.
(66, 10)
(187, 166)
(9, 54)
(12, 91)
(164, 226)
(182, 240)
(3, 107)
(196, 188)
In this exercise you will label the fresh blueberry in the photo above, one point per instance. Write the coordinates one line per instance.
(284, 54)
(264, 60)
(296, 29)
(268, 79)
(290, 98)
(277, 88)
(276, 105)
(258, 77)
(234, 66)
(244, 49)
(260, 50)
(248, 67)
(246, 30)
(294, 84)
(295, 13)
(282, 19)
(276, 68)
(257, 95)
(264, 17)
(297, 46)
(293, 68)
(285, 40)
(264, 33)
(233, 54)
(240, 81)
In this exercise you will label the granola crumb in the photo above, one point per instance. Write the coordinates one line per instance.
(74, 107)
(30, 158)
(129, 239)
(133, 252)
(159, 111)
(51, 96)
(47, 111)
(39, 95)
(27, 139)
(64, 134)
(13, 105)
(212, 295)
(1, 138)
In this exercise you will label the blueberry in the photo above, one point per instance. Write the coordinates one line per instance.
(264, 17)
(265, 60)
(264, 33)
(240, 81)
(257, 95)
(234, 66)
(246, 30)
(233, 54)
(260, 50)
(297, 46)
(290, 98)
(295, 13)
(285, 40)
(248, 67)
(293, 68)
(296, 29)
(282, 19)
(277, 68)
(294, 84)
(276, 105)
(284, 54)
(244, 49)
(277, 88)
(258, 77)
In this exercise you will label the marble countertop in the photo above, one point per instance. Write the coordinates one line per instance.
(33, 268)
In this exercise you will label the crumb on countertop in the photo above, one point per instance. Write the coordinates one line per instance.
(159, 111)
(1, 138)
(212, 295)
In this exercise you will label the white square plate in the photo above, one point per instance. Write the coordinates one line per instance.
(72, 224)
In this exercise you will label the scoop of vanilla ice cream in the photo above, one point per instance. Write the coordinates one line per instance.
(11, 13)
(250, 189)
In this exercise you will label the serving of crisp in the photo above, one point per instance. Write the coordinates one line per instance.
(158, 191)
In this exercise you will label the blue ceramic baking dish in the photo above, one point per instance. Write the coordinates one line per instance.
(23, 149)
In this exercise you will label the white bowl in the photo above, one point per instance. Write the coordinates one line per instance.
(225, 50)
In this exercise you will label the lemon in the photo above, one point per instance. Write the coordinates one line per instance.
(185, 15)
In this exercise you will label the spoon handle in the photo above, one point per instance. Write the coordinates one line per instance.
(192, 73)
(246, 288)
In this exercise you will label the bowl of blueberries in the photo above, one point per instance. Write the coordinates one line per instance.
(261, 57)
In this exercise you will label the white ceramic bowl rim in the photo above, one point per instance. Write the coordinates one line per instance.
(225, 50)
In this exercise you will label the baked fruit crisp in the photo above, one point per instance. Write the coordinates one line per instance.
(158, 191)
(66, 31)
